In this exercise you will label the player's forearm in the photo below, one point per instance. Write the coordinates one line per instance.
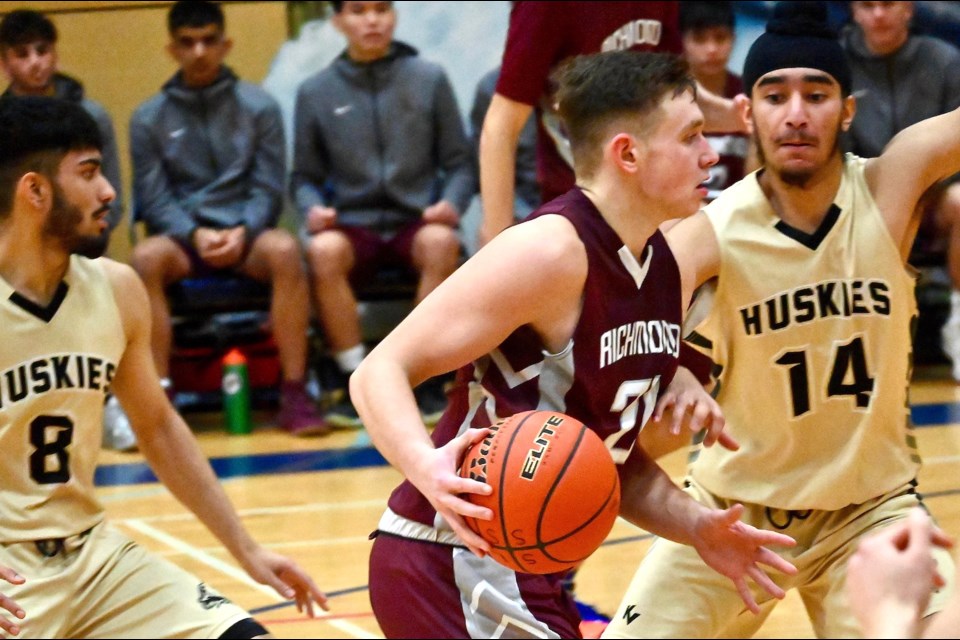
(386, 404)
(891, 619)
(497, 183)
(946, 623)
(176, 459)
(653, 502)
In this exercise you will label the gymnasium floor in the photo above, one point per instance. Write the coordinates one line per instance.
(318, 499)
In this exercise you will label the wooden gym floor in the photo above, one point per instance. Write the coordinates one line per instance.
(318, 499)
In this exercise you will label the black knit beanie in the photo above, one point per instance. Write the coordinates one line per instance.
(797, 36)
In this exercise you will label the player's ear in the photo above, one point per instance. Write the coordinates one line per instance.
(34, 189)
(623, 147)
(745, 108)
(849, 110)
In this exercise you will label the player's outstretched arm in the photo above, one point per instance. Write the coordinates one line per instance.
(8, 603)
(172, 451)
(650, 500)
(913, 161)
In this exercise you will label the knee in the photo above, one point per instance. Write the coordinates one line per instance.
(437, 244)
(948, 208)
(152, 260)
(329, 255)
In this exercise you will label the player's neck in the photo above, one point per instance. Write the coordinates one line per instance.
(804, 206)
(630, 215)
(32, 268)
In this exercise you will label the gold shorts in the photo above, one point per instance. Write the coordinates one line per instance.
(102, 584)
(674, 594)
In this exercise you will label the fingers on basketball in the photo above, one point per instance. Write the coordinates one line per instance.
(555, 491)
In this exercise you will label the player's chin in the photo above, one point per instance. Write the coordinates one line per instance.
(692, 205)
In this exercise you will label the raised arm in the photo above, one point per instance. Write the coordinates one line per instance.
(917, 158)
(172, 452)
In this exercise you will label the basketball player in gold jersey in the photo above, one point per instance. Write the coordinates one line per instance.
(811, 326)
(74, 328)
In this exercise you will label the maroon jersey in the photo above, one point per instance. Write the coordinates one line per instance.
(542, 34)
(623, 352)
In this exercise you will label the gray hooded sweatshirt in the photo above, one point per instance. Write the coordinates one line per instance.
(918, 81)
(210, 157)
(379, 141)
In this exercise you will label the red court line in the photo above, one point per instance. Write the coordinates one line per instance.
(337, 616)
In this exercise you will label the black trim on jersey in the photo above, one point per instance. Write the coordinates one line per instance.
(245, 629)
(812, 241)
(44, 313)
(699, 340)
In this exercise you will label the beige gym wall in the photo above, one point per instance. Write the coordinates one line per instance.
(118, 51)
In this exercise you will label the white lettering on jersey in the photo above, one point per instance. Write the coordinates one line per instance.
(632, 34)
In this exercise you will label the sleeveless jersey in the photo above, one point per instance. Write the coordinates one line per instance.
(624, 350)
(56, 363)
(813, 334)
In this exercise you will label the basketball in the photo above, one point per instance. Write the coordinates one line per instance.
(556, 493)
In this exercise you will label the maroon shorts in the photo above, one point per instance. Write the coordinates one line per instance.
(200, 269)
(428, 590)
(374, 250)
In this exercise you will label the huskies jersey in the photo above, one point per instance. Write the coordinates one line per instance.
(624, 350)
(56, 363)
(813, 334)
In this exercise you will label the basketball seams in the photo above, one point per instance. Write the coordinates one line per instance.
(558, 478)
(504, 531)
(524, 495)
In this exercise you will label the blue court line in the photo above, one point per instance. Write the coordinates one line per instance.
(252, 465)
(928, 415)
(355, 457)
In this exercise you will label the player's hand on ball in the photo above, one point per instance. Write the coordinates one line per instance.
(439, 481)
(686, 405)
(736, 550)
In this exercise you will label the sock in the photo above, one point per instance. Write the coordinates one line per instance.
(349, 359)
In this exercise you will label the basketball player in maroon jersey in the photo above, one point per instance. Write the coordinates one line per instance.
(575, 310)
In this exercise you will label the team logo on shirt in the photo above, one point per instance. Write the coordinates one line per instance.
(208, 599)
(843, 298)
(53, 372)
(639, 338)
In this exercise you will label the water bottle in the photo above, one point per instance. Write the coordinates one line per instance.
(236, 393)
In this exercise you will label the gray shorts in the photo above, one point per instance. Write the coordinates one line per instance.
(429, 590)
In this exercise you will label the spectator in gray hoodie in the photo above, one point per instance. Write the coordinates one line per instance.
(381, 174)
(208, 181)
(28, 52)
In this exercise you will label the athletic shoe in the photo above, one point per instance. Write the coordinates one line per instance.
(298, 415)
(341, 414)
(117, 432)
(432, 400)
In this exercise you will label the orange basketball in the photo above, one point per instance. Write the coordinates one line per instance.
(555, 495)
